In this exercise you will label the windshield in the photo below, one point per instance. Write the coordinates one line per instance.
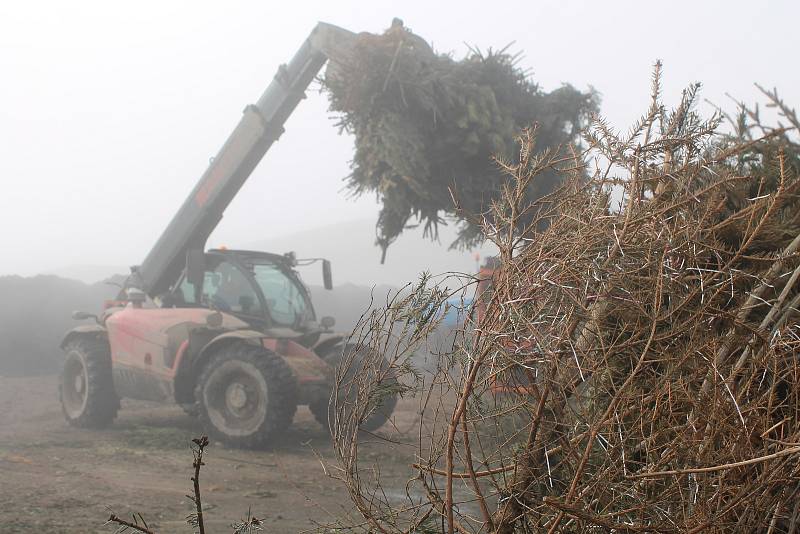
(286, 301)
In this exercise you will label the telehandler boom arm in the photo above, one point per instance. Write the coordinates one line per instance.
(259, 127)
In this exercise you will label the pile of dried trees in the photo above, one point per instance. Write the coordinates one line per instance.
(636, 367)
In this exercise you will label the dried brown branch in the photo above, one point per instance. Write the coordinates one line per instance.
(643, 324)
(134, 525)
(196, 519)
(751, 461)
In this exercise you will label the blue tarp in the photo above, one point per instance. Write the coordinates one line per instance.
(455, 311)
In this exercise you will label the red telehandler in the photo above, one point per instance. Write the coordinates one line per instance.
(229, 334)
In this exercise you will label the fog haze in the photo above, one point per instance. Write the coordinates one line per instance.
(109, 112)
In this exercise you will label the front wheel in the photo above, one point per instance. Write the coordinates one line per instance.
(86, 388)
(324, 409)
(246, 395)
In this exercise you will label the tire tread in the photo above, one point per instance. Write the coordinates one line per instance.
(102, 403)
(281, 383)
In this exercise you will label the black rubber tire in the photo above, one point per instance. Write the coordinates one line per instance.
(86, 387)
(322, 407)
(267, 378)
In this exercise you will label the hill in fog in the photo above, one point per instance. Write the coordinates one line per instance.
(88, 274)
(356, 259)
(349, 245)
(34, 316)
(35, 312)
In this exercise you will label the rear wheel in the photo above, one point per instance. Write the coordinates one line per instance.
(246, 395)
(86, 388)
(323, 409)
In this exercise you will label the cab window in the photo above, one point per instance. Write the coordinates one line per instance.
(286, 302)
(226, 289)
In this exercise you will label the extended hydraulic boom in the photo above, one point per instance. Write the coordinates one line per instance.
(260, 126)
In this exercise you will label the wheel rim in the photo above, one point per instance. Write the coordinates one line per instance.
(236, 398)
(74, 385)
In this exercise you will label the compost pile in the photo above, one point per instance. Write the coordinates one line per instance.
(425, 124)
(637, 366)
(35, 315)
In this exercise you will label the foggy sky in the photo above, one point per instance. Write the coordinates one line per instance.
(110, 111)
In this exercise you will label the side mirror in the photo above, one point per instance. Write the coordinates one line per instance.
(82, 315)
(327, 276)
(327, 322)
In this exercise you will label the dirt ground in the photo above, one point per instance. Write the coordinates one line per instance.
(58, 479)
